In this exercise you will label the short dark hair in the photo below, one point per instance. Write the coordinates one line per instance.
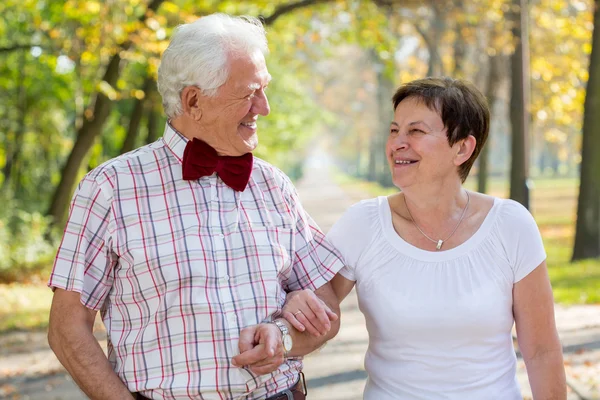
(461, 106)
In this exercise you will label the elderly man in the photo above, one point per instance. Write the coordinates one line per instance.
(188, 246)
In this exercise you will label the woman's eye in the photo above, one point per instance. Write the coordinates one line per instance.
(393, 131)
(416, 131)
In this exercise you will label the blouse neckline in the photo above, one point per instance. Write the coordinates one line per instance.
(385, 215)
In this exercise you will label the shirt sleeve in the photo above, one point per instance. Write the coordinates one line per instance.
(524, 246)
(84, 262)
(348, 236)
(315, 261)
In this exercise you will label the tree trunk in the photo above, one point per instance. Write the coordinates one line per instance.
(493, 82)
(385, 89)
(90, 129)
(460, 46)
(437, 27)
(152, 116)
(519, 106)
(14, 152)
(136, 118)
(152, 124)
(587, 231)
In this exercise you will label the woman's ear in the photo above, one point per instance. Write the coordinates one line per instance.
(465, 149)
(191, 100)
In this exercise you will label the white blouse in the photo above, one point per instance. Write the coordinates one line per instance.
(439, 322)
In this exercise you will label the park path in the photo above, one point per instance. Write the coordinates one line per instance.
(29, 370)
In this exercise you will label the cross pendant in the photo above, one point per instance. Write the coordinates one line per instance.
(439, 245)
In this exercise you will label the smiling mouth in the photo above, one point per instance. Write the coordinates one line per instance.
(250, 125)
(404, 162)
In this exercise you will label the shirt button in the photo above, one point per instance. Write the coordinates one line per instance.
(225, 278)
(221, 236)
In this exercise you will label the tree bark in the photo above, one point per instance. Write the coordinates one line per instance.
(135, 118)
(14, 152)
(460, 46)
(385, 89)
(493, 82)
(519, 106)
(587, 230)
(152, 116)
(432, 37)
(90, 129)
(287, 8)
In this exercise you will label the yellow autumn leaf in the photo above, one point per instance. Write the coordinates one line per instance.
(106, 89)
(170, 7)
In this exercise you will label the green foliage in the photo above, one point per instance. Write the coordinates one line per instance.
(333, 62)
(25, 252)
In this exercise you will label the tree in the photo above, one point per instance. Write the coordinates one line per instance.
(519, 105)
(93, 125)
(587, 231)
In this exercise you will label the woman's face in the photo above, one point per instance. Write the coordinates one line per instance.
(417, 148)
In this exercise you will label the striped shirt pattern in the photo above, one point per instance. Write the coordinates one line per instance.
(177, 268)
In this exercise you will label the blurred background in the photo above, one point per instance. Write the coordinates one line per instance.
(78, 87)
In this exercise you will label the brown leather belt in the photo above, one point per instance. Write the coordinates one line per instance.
(296, 392)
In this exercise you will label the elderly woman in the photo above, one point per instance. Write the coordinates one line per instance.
(442, 273)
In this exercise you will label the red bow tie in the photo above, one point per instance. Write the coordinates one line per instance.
(199, 159)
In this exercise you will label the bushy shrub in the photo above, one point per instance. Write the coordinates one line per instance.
(25, 249)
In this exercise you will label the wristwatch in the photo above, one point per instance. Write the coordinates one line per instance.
(286, 338)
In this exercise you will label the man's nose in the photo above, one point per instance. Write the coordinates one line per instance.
(260, 105)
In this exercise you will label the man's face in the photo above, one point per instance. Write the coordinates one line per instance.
(228, 119)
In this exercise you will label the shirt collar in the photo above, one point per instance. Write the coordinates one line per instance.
(175, 141)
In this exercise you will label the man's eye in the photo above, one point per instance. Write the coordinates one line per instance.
(393, 131)
(415, 131)
(250, 96)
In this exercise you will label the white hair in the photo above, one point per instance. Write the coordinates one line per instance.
(199, 52)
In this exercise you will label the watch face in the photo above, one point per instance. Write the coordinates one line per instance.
(287, 342)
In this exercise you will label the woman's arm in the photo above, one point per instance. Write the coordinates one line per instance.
(533, 309)
(305, 311)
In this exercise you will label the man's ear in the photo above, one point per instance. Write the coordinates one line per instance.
(465, 149)
(191, 100)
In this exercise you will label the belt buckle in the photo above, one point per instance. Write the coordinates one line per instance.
(288, 393)
(303, 380)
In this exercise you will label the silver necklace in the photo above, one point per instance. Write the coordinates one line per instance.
(439, 242)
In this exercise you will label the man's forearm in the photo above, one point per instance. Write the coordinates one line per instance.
(547, 376)
(81, 355)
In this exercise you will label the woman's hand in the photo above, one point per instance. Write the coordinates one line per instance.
(305, 311)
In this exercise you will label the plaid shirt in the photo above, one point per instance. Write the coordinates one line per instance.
(177, 269)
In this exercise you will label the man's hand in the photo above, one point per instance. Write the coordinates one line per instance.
(305, 311)
(261, 349)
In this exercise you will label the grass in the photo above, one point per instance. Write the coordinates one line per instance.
(24, 306)
(553, 204)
